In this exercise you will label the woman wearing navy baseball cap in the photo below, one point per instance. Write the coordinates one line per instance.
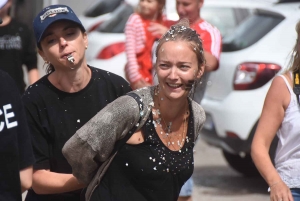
(62, 101)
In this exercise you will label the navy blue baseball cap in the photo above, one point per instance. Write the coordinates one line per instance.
(52, 14)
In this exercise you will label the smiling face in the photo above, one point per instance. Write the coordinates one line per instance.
(176, 66)
(61, 39)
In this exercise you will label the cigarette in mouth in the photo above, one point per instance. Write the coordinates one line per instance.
(70, 58)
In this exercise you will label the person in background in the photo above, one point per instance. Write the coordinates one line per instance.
(280, 116)
(58, 104)
(17, 48)
(139, 42)
(15, 146)
(212, 42)
(156, 158)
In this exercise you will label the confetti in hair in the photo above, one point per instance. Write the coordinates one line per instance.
(182, 32)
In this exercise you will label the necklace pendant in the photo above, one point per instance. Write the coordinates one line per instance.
(168, 143)
(179, 150)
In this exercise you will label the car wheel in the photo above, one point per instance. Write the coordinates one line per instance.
(243, 165)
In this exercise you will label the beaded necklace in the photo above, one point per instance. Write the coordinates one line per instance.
(167, 131)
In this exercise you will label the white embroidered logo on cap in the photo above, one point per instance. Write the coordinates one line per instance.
(53, 12)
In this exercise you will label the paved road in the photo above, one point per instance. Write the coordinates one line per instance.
(216, 181)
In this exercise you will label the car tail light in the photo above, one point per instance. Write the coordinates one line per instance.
(231, 134)
(112, 50)
(254, 75)
(94, 27)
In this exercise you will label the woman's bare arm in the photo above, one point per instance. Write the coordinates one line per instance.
(46, 182)
(26, 178)
(277, 100)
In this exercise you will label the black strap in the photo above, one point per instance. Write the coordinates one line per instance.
(296, 87)
(121, 142)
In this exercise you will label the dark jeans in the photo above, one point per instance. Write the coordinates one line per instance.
(296, 193)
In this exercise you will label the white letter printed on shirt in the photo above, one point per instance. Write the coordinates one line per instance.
(9, 115)
(1, 123)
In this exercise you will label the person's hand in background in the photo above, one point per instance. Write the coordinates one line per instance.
(157, 29)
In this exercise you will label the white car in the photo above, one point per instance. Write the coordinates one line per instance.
(106, 43)
(97, 12)
(252, 55)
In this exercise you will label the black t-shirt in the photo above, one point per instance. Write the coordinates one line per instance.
(54, 116)
(148, 171)
(17, 47)
(15, 145)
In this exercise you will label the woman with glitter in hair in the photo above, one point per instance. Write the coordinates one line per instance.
(160, 125)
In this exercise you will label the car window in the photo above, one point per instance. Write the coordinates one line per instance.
(225, 19)
(116, 23)
(101, 7)
(250, 31)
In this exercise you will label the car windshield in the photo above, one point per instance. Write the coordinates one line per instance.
(117, 21)
(225, 19)
(101, 7)
(251, 30)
